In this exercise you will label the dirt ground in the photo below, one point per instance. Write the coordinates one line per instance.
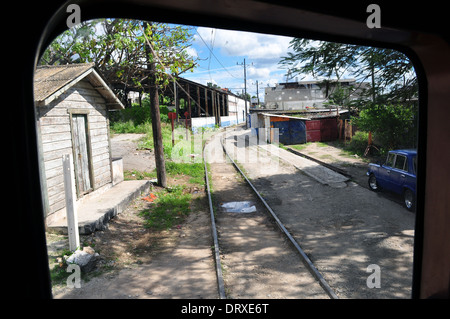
(353, 165)
(343, 230)
(257, 260)
(136, 262)
(125, 146)
(142, 264)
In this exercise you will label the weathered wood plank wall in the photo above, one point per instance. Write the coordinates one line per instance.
(56, 138)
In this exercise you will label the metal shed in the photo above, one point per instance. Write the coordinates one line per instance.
(322, 130)
(72, 103)
(310, 127)
(291, 130)
(277, 127)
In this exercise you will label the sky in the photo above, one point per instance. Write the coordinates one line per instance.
(220, 56)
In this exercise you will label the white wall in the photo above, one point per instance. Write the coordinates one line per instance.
(197, 122)
(236, 108)
(236, 111)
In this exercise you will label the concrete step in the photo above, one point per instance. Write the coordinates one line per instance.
(95, 212)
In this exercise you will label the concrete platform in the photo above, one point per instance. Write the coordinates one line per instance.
(96, 211)
(313, 169)
(320, 173)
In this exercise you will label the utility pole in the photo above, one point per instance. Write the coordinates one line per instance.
(245, 94)
(257, 92)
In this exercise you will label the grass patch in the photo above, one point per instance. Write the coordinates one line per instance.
(327, 156)
(196, 171)
(170, 208)
(184, 164)
(58, 273)
(130, 127)
(349, 154)
(166, 132)
(58, 268)
(300, 147)
(174, 203)
(138, 175)
(321, 144)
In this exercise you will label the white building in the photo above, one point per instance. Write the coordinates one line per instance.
(307, 94)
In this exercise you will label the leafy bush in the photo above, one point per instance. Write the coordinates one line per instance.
(130, 127)
(136, 119)
(136, 114)
(393, 126)
(195, 170)
(164, 114)
(359, 143)
(171, 206)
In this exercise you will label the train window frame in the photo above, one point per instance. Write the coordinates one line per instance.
(418, 50)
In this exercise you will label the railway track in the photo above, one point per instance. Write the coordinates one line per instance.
(255, 255)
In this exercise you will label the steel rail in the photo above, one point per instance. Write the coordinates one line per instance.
(313, 270)
(220, 282)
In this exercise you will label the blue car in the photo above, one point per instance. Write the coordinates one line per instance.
(397, 174)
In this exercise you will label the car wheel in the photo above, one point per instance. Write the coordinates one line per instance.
(373, 184)
(409, 200)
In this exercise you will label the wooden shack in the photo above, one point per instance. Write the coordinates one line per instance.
(72, 103)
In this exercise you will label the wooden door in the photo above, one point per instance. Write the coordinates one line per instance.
(81, 153)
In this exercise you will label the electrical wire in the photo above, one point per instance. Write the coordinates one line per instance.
(212, 53)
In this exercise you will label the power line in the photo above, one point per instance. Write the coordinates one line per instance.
(210, 52)
(215, 56)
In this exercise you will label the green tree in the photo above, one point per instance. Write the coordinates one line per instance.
(386, 100)
(119, 50)
(212, 85)
(132, 56)
(339, 96)
(393, 126)
(319, 58)
(390, 73)
(243, 96)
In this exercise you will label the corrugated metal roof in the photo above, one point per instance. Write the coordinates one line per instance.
(286, 116)
(52, 81)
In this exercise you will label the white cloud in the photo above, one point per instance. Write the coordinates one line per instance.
(262, 53)
(192, 52)
(258, 72)
(238, 43)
